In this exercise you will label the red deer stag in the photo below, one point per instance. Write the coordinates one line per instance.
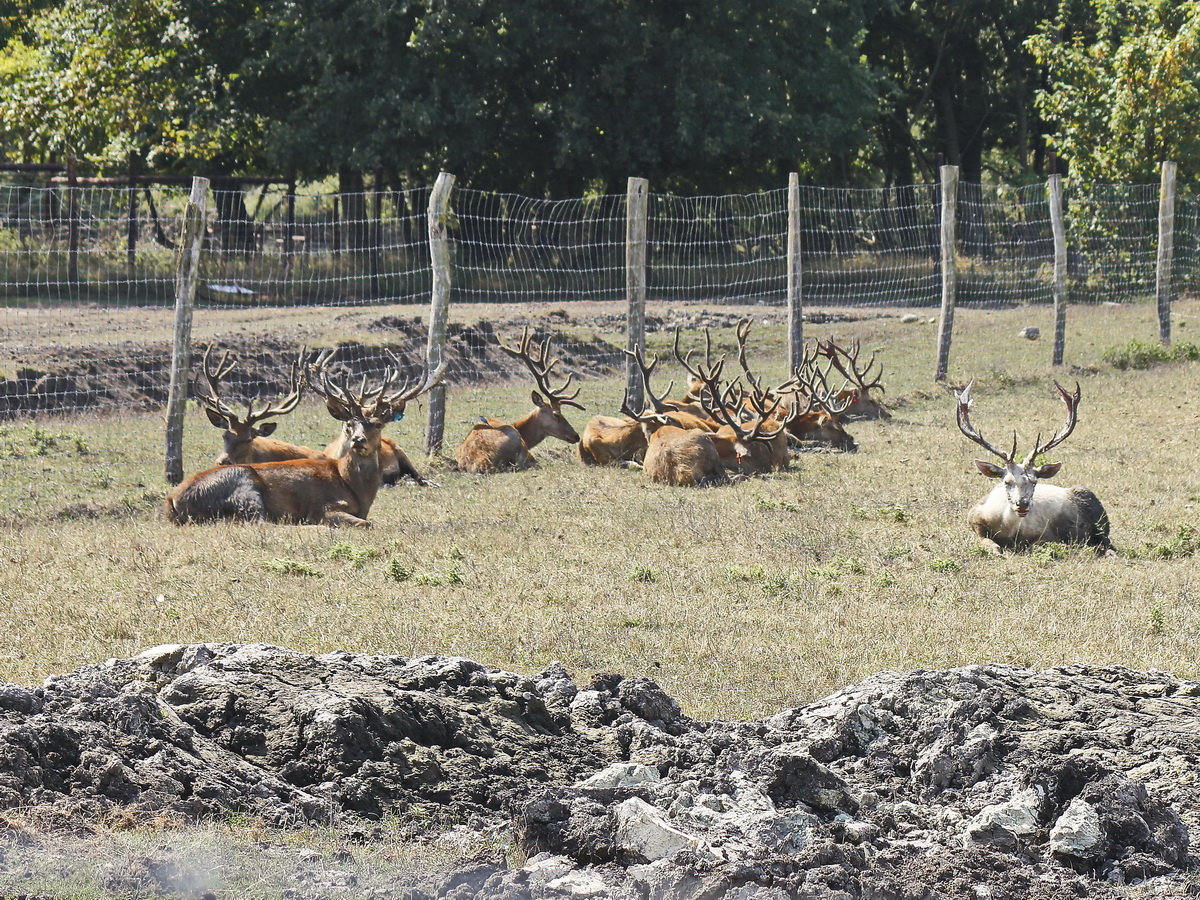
(611, 441)
(678, 451)
(307, 491)
(819, 422)
(394, 464)
(494, 445)
(741, 416)
(1021, 511)
(862, 405)
(247, 438)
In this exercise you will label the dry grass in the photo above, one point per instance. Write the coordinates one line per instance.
(739, 600)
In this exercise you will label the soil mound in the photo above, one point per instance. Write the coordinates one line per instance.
(984, 781)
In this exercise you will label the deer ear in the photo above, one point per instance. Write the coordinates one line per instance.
(537, 399)
(1049, 470)
(991, 470)
(217, 419)
(266, 428)
(337, 411)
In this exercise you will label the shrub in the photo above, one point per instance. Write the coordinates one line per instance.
(1136, 354)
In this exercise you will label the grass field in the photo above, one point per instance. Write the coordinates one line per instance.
(739, 600)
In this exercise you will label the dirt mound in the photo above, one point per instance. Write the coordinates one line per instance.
(985, 781)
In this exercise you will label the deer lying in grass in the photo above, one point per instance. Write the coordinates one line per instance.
(680, 451)
(610, 441)
(862, 405)
(312, 491)
(819, 422)
(1021, 511)
(394, 464)
(247, 438)
(751, 436)
(494, 445)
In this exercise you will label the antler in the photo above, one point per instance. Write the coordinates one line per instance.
(853, 374)
(813, 381)
(964, 424)
(389, 406)
(383, 403)
(707, 373)
(213, 402)
(536, 360)
(1072, 403)
(658, 402)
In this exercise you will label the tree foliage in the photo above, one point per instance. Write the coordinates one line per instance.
(1123, 87)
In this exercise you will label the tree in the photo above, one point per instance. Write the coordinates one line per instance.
(959, 81)
(1122, 87)
(543, 96)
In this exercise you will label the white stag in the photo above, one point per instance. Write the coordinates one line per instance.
(1021, 510)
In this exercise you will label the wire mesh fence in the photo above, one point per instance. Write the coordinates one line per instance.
(87, 274)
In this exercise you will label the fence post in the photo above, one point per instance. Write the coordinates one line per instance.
(949, 192)
(132, 235)
(636, 213)
(795, 298)
(186, 275)
(1060, 266)
(439, 305)
(376, 233)
(72, 222)
(1166, 250)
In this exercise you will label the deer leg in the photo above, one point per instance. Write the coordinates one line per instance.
(335, 518)
(991, 546)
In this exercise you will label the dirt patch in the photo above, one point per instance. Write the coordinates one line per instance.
(137, 374)
(984, 781)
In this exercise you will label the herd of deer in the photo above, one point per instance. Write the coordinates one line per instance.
(721, 429)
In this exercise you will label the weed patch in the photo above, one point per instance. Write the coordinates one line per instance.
(1136, 354)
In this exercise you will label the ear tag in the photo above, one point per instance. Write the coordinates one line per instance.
(397, 417)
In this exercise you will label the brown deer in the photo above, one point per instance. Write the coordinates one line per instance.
(494, 445)
(1022, 511)
(862, 405)
(247, 438)
(741, 416)
(678, 452)
(394, 464)
(612, 441)
(307, 491)
(819, 421)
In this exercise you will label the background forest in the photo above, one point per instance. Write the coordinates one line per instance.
(552, 98)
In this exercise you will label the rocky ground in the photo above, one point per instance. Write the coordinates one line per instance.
(979, 782)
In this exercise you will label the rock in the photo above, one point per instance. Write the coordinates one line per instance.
(1077, 832)
(1030, 332)
(981, 781)
(910, 318)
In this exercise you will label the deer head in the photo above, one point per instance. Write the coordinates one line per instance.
(845, 360)
(1019, 477)
(549, 402)
(241, 431)
(364, 412)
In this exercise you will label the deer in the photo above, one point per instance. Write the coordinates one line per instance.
(394, 464)
(862, 405)
(1021, 511)
(333, 492)
(679, 452)
(741, 416)
(819, 422)
(247, 438)
(494, 445)
(612, 441)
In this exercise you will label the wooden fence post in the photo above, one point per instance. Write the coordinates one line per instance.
(636, 214)
(949, 192)
(132, 234)
(439, 305)
(376, 234)
(187, 274)
(1166, 250)
(1057, 226)
(72, 222)
(795, 298)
